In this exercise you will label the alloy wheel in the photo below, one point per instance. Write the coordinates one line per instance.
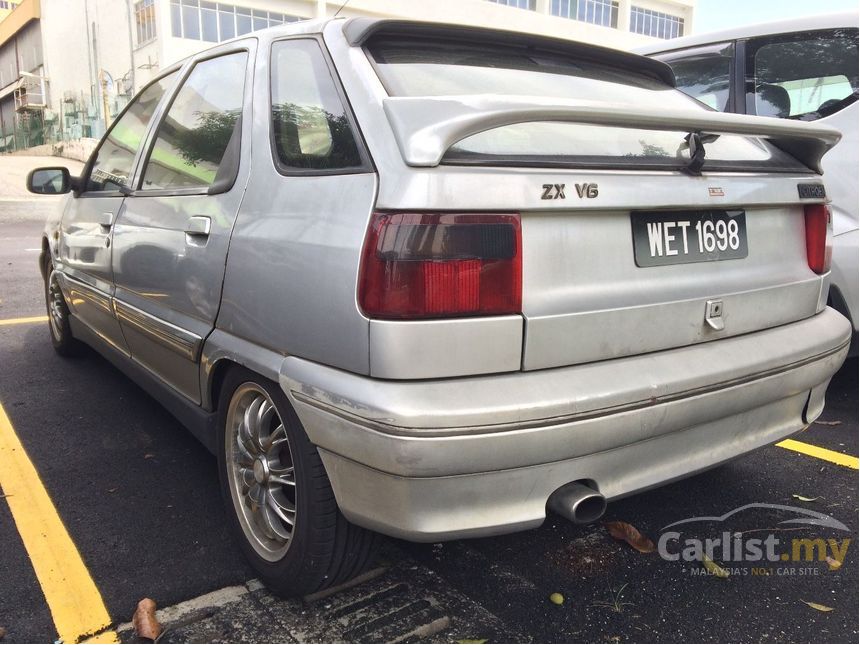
(56, 306)
(260, 471)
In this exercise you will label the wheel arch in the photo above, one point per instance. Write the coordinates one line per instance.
(217, 375)
(223, 352)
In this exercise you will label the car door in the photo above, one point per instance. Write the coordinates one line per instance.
(170, 241)
(84, 247)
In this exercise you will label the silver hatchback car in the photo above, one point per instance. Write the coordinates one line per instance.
(430, 281)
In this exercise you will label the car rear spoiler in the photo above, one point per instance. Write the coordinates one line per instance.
(426, 127)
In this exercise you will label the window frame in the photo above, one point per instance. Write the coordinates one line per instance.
(532, 4)
(88, 168)
(149, 142)
(665, 22)
(150, 9)
(366, 165)
(751, 46)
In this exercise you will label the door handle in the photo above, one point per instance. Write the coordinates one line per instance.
(106, 221)
(198, 225)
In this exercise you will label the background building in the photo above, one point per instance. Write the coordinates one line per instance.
(6, 7)
(68, 66)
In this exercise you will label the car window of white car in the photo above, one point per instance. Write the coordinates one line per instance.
(803, 76)
(704, 73)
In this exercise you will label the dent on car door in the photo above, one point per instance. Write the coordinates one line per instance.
(170, 242)
(84, 249)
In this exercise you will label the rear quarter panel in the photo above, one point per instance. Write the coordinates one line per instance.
(292, 268)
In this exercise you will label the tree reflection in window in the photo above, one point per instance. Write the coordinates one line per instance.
(194, 136)
(310, 137)
(805, 76)
(310, 126)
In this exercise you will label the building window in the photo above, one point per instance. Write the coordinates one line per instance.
(519, 4)
(654, 23)
(597, 12)
(216, 22)
(144, 18)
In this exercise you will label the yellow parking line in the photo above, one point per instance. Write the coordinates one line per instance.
(23, 321)
(821, 453)
(73, 598)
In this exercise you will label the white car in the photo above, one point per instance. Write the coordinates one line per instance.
(803, 69)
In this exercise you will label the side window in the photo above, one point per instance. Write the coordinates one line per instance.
(704, 73)
(194, 138)
(111, 168)
(802, 76)
(310, 126)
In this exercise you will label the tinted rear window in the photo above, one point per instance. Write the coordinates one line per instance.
(440, 68)
(451, 68)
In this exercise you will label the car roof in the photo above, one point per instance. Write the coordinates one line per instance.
(808, 23)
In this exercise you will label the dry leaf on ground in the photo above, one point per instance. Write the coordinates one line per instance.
(145, 623)
(833, 562)
(628, 533)
(816, 606)
(713, 568)
(806, 499)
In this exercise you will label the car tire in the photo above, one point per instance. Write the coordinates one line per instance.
(58, 316)
(271, 477)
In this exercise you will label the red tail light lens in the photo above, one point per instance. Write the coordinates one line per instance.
(441, 265)
(818, 249)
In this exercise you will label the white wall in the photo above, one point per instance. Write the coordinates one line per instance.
(75, 51)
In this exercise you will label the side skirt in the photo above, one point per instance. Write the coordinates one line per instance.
(200, 422)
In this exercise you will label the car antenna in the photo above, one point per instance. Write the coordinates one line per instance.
(346, 2)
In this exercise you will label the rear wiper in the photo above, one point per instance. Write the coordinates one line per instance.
(696, 143)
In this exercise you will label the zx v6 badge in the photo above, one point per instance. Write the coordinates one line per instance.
(556, 191)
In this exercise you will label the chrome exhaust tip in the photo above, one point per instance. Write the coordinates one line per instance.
(578, 503)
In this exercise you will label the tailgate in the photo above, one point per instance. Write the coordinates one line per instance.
(586, 299)
(598, 156)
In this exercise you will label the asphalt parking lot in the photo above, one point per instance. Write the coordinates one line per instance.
(138, 499)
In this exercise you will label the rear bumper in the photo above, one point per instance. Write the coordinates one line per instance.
(431, 460)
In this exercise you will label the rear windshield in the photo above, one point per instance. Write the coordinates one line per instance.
(449, 68)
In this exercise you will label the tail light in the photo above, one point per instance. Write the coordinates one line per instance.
(441, 265)
(818, 249)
